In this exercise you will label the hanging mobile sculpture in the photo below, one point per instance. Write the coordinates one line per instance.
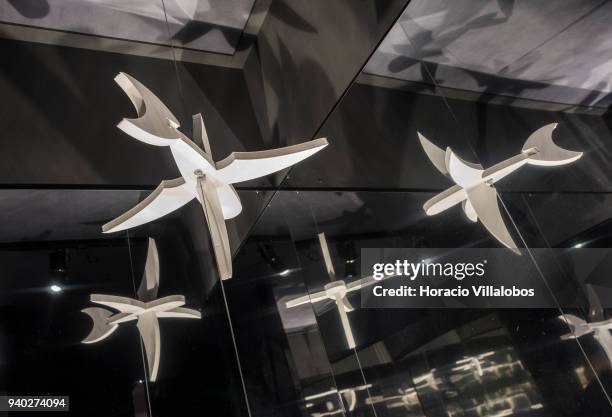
(147, 309)
(474, 187)
(201, 178)
(336, 291)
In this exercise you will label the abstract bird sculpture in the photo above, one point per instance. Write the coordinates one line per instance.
(337, 291)
(474, 185)
(201, 178)
(146, 310)
(597, 325)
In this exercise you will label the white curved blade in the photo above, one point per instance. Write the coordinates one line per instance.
(360, 283)
(166, 303)
(155, 125)
(347, 305)
(505, 168)
(308, 298)
(101, 329)
(244, 166)
(179, 312)
(351, 398)
(548, 153)
(469, 211)
(578, 327)
(150, 279)
(121, 318)
(167, 197)
(327, 256)
(436, 155)
(364, 282)
(346, 325)
(444, 200)
(122, 304)
(229, 200)
(484, 201)
(216, 225)
(148, 326)
(463, 173)
(199, 132)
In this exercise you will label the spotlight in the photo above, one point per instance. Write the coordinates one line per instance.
(284, 272)
(348, 251)
(55, 288)
(578, 245)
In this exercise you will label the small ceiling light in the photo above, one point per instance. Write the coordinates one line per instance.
(348, 252)
(55, 288)
(58, 261)
(267, 252)
(579, 245)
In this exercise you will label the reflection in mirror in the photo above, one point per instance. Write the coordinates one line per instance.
(146, 310)
(336, 291)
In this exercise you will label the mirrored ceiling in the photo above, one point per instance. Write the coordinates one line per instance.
(554, 51)
(205, 25)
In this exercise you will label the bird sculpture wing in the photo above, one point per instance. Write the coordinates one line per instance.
(182, 313)
(308, 298)
(167, 197)
(244, 166)
(436, 155)
(213, 212)
(150, 279)
(327, 256)
(484, 202)
(101, 328)
(547, 153)
(122, 304)
(578, 327)
(365, 282)
(155, 125)
(346, 325)
(148, 326)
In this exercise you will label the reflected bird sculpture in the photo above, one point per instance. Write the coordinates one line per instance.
(201, 178)
(474, 186)
(336, 291)
(596, 326)
(146, 310)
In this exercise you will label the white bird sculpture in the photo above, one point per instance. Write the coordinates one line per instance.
(337, 291)
(474, 185)
(146, 310)
(597, 325)
(201, 178)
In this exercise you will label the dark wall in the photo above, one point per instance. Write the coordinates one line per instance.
(306, 56)
(62, 106)
(375, 144)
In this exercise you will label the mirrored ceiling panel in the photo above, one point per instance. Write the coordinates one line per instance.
(555, 51)
(206, 25)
